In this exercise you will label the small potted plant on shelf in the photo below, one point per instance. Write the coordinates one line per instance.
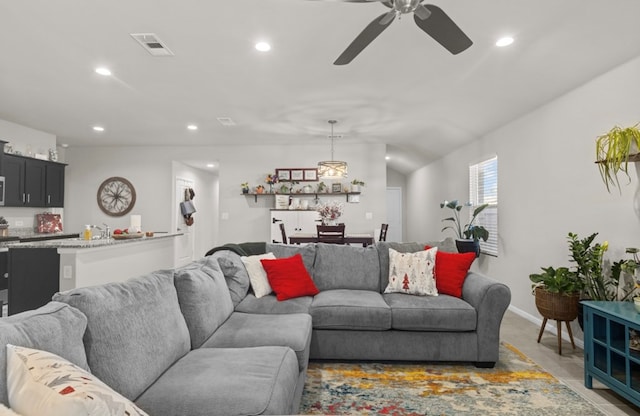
(468, 235)
(245, 187)
(322, 187)
(271, 180)
(259, 189)
(613, 150)
(356, 184)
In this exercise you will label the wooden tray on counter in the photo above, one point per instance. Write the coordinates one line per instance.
(127, 236)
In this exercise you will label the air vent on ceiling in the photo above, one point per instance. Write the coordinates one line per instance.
(152, 44)
(226, 121)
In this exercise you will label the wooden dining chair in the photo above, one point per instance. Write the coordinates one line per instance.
(332, 234)
(284, 234)
(383, 232)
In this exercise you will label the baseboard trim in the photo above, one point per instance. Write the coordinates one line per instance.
(550, 327)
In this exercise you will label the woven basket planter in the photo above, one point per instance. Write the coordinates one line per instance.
(555, 306)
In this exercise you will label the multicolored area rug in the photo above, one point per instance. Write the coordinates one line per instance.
(516, 386)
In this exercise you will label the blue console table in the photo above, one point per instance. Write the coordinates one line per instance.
(607, 356)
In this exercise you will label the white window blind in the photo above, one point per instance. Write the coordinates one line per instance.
(483, 188)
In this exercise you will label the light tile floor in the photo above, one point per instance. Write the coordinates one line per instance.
(568, 367)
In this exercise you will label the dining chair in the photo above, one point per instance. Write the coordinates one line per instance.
(284, 234)
(383, 232)
(332, 234)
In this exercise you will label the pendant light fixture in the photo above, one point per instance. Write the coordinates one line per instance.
(332, 169)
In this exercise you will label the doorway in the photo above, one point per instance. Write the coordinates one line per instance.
(394, 213)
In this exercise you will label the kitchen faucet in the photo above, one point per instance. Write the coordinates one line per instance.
(105, 233)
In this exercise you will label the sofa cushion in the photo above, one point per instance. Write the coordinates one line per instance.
(412, 273)
(346, 267)
(308, 253)
(430, 313)
(270, 305)
(244, 330)
(234, 273)
(54, 327)
(350, 309)
(257, 275)
(135, 330)
(204, 298)
(42, 383)
(289, 278)
(451, 270)
(448, 245)
(226, 381)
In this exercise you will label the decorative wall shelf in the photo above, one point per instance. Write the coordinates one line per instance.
(632, 158)
(301, 194)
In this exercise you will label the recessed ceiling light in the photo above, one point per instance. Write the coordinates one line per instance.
(103, 71)
(192, 127)
(263, 46)
(64, 145)
(98, 128)
(504, 41)
(387, 157)
(210, 165)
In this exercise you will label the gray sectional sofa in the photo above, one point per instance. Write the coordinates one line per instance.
(196, 341)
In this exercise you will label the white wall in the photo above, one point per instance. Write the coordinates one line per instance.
(548, 182)
(399, 180)
(150, 171)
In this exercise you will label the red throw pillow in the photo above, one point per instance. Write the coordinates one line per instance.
(289, 278)
(451, 270)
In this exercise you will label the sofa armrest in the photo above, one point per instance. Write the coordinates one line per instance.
(490, 299)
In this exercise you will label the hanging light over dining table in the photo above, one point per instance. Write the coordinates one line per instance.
(332, 169)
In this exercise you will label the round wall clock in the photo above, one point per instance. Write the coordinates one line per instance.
(116, 196)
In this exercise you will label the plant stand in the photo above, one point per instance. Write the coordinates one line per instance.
(559, 326)
(561, 308)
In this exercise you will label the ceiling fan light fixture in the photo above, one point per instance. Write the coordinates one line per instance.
(332, 169)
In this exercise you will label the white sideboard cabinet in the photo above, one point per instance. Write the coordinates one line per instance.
(295, 221)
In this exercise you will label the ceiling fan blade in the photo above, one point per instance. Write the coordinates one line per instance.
(377, 26)
(440, 27)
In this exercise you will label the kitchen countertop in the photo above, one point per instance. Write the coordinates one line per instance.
(81, 243)
(29, 234)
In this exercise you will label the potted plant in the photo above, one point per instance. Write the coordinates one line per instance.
(612, 153)
(259, 189)
(468, 235)
(322, 187)
(557, 297)
(599, 283)
(356, 184)
(245, 187)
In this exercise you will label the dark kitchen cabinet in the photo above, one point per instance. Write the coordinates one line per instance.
(4, 269)
(33, 182)
(54, 188)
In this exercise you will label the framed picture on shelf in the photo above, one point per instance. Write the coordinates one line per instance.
(283, 174)
(311, 174)
(297, 174)
(336, 187)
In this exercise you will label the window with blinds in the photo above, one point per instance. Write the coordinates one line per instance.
(483, 189)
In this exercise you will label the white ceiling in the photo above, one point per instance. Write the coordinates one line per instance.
(404, 90)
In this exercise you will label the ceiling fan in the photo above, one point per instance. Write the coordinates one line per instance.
(431, 19)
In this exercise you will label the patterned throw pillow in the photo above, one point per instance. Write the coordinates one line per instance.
(412, 273)
(41, 383)
(257, 275)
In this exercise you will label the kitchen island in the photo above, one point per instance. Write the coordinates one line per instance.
(39, 269)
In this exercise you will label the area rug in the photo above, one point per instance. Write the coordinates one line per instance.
(516, 386)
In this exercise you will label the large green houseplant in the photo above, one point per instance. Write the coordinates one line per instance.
(612, 153)
(468, 235)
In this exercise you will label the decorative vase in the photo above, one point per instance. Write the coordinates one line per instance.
(259, 190)
(4, 230)
(468, 246)
(355, 188)
(328, 221)
(245, 190)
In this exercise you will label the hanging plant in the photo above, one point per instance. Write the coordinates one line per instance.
(612, 153)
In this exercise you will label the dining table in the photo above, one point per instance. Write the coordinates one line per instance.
(302, 238)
